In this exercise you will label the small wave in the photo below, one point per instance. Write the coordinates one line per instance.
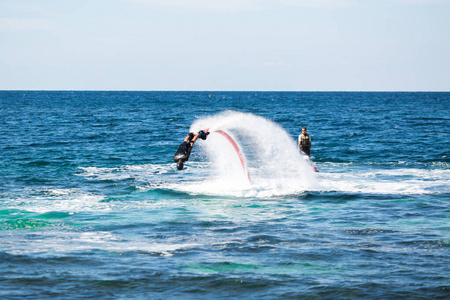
(360, 179)
(50, 241)
(57, 200)
(125, 172)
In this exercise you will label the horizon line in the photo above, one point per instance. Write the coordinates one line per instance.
(224, 91)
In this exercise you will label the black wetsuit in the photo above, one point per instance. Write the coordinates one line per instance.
(183, 153)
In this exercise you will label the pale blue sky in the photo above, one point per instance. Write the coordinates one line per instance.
(245, 45)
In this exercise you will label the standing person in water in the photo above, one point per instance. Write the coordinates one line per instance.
(304, 142)
(184, 150)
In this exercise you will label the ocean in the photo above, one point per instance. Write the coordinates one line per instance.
(93, 206)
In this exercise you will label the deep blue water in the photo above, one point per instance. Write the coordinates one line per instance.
(92, 206)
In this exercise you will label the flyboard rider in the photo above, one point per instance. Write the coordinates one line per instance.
(184, 150)
(304, 142)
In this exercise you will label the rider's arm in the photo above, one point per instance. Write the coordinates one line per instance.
(195, 138)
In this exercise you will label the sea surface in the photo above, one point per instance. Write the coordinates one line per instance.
(93, 207)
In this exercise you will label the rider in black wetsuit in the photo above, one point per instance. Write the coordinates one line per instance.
(184, 150)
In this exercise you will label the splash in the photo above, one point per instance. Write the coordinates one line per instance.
(269, 153)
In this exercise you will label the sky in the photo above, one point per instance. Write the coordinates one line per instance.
(225, 45)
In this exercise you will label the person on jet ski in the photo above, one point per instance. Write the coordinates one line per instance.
(184, 150)
(304, 142)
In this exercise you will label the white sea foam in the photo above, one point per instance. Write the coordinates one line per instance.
(386, 181)
(67, 241)
(125, 172)
(63, 200)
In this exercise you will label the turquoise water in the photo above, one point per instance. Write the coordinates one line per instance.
(92, 206)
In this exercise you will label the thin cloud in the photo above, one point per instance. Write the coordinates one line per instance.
(201, 5)
(234, 6)
(120, 39)
(275, 64)
(421, 1)
(17, 24)
(239, 5)
(325, 4)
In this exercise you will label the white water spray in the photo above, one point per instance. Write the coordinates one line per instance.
(269, 153)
